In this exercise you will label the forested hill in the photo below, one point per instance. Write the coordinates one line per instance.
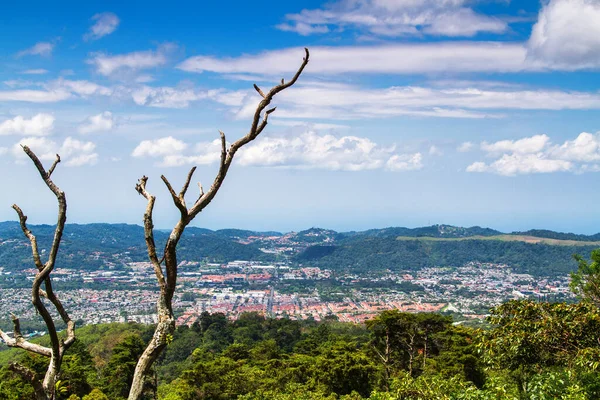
(92, 246)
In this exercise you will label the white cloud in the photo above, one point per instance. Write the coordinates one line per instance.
(55, 91)
(144, 78)
(81, 87)
(478, 166)
(347, 102)
(395, 18)
(166, 97)
(584, 148)
(3, 150)
(159, 148)
(513, 164)
(204, 154)
(465, 147)
(405, 162)
(78, 153)
(419, 58)
(98, 123)
(38, 125)
(13, 83)
(73, 153)
(39, 71)
(302, 28)
(105, 24)
(567, 34)
(314, 151)
(319, 126)
(435, 151)
(537, 154)
(532, 144)
(308, 150)
(34, 96)
(128, 63)
(39, 49)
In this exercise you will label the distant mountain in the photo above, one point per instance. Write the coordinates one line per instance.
(437, 231)
(244, 234)
(317, 235)
(369, 254)
(543, 233)
(93, 246)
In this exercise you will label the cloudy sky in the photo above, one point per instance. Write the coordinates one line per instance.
(410, 112)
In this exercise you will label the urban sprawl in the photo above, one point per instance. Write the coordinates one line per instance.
(283, 291)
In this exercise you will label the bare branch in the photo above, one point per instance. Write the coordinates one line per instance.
(18, 341)
(223, 148)
(62, 202)
(186, 185)
(50, 295)
(259, 91)
(264, 122)
(140, 187)
(30, 236)
(201, 190)
(46, 389)
(17, 326)
(178, 203)
(256, 128)
(149, 230)
(51, 170)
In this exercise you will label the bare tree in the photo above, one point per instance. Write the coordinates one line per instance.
(45, 389)
(167, 278)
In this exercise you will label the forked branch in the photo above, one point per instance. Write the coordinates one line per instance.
(168, 280)
(55, 352)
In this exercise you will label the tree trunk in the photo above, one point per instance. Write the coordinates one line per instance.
(411, 355)
(162, 335)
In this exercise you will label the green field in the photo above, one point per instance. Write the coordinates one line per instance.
(507, 238)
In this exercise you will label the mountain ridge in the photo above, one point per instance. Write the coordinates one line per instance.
(436, 230)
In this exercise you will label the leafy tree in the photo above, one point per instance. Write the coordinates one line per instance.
(118, 373)
(400, 338)
(529, 338)
(95, 394)
(457, 356)
(77, 370)
(585, 282)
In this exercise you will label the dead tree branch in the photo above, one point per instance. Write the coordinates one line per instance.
(168, 280)
(45, 389)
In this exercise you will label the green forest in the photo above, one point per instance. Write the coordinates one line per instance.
(372, 251)
(529, 351)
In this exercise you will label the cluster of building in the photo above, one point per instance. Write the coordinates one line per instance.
(246, 286)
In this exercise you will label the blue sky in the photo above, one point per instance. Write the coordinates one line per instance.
(410, 112)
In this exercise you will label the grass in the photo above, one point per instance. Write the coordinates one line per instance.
(507, 238)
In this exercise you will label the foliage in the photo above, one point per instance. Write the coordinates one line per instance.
(585, 282)
(118, 373)
(532, 351)
(532, 339)
(360, 254)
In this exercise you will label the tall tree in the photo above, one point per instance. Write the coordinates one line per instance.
(530, 337)
(585, 282)
(46, 388)
(167, 275)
